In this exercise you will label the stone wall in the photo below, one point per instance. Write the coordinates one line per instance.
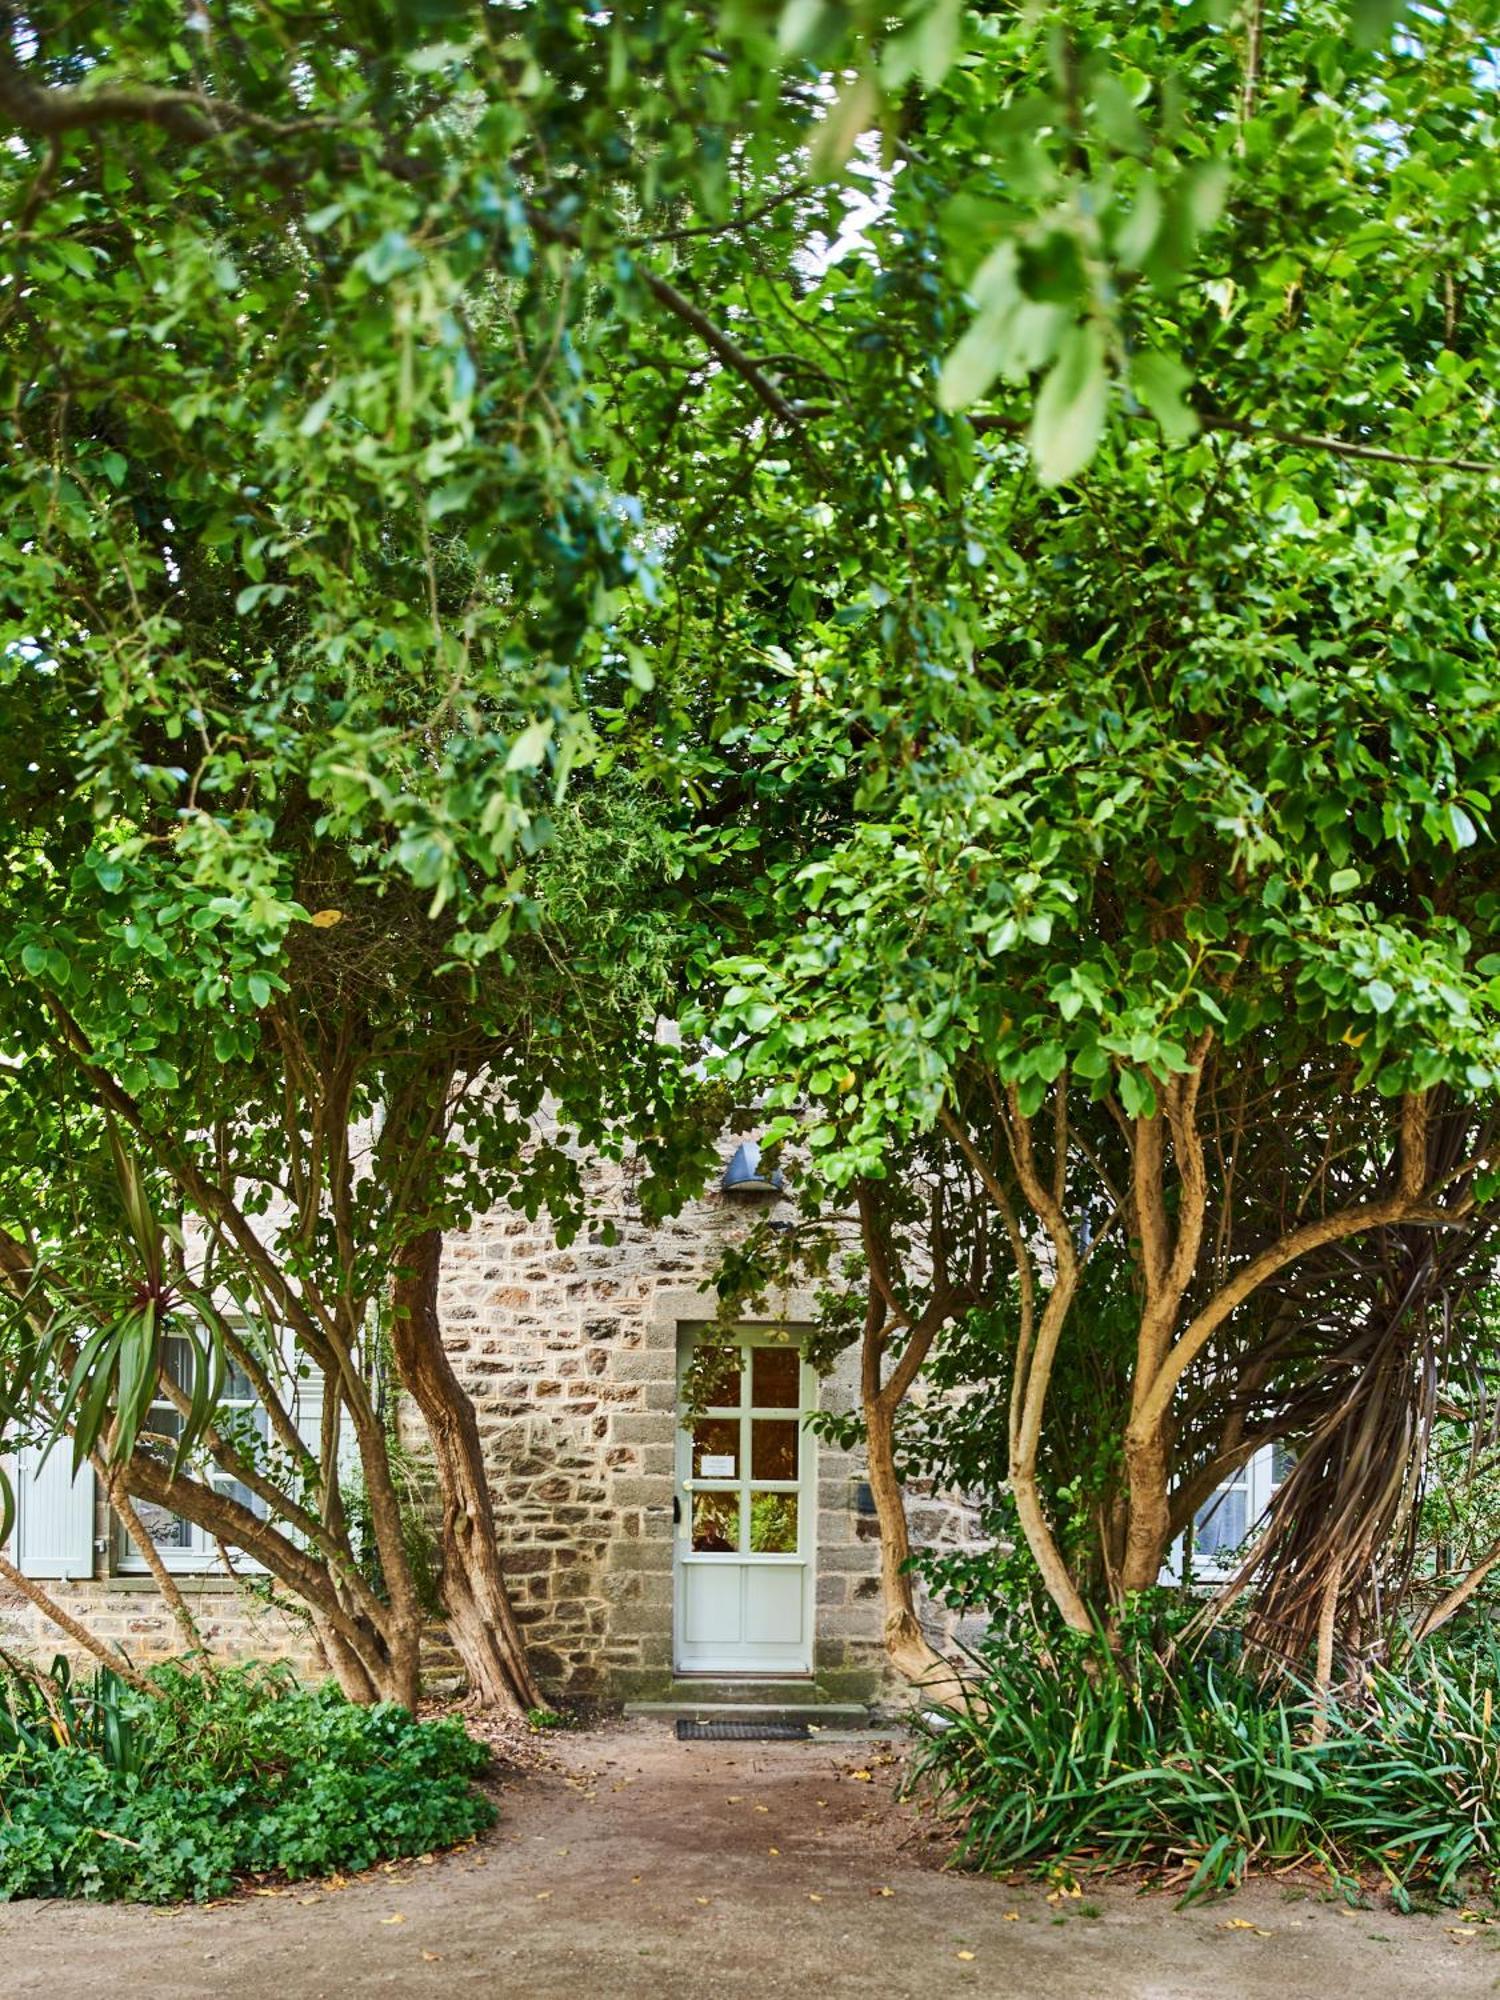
(571, 1359)
(570, 1356)
(236, 1623)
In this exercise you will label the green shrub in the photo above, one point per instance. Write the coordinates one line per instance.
(106, 1793)
(1144, 1765)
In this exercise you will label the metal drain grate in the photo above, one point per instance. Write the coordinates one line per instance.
(741, 1732)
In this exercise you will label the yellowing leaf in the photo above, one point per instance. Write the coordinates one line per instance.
(864, 1777)
(1011, 1917)
(963, 1954)
(397, 1919)
(324, 920)
(812, 1898)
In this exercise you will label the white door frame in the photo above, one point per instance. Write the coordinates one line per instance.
(752, 1582)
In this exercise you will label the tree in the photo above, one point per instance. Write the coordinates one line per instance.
(313, 587)
(310, 1154)
(1165, 898)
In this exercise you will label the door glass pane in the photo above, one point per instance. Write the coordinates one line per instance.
(773, 1524)
(716, 1448)
(714, 1377)
(716, 1524)
(773, 1449)
(774, 1377)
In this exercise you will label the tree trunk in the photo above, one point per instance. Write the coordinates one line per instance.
(1148, 1533)
(905, 1642)
(481, 1619)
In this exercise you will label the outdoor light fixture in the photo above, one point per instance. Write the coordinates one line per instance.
(743, 1179)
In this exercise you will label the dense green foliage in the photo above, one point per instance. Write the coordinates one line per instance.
(952, 548)
(107, 1794)
(1196, 1764)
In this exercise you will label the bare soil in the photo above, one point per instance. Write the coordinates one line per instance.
(627, 1866)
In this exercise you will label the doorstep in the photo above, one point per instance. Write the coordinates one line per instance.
(752, 1701)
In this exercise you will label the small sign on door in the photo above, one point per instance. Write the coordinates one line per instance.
(711, 1466)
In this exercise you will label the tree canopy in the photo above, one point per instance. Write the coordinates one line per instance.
(948, 548)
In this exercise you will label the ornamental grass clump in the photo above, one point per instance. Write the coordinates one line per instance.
(111, 1794)
(1198, 1766)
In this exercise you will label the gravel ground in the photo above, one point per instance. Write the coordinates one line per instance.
(627, 1866)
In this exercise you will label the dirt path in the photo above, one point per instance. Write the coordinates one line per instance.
(637, 1868)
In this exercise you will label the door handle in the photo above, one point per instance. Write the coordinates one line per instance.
(676, 1511)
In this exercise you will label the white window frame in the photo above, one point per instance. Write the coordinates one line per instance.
(200, 1554)
(1257, 1480)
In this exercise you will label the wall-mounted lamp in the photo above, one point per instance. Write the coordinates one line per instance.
(743, 1179)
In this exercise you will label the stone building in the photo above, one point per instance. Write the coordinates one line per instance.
(741, 1547)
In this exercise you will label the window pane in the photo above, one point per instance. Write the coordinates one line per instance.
(238, 1388)
(1220, 1523)
(167, 1531)
(773, 1449)
(716, 1524)
(161, 1430)
(773, 1524)
(774, 1377)
(714, 1377)
(716, 1448)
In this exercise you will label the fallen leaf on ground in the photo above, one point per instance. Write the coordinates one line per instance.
(864, 1777)
(963, 1954)
(397, 1919)
(542, 1895)
(764, 1809)
(433, 1957)
(735, 1799)
(773, 1850)
(1244, 1924)
(885, 1892)
(1011, 1917)
(700, 1899)
(812, 1898)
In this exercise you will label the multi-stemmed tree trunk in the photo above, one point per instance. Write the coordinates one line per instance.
(477, 1610)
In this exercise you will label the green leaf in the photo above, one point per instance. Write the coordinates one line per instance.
(1374, 20)
(530, 747)
(1381, 995)
(1069, 418)
(1160, 381)
(972, 365)
(851, 112)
